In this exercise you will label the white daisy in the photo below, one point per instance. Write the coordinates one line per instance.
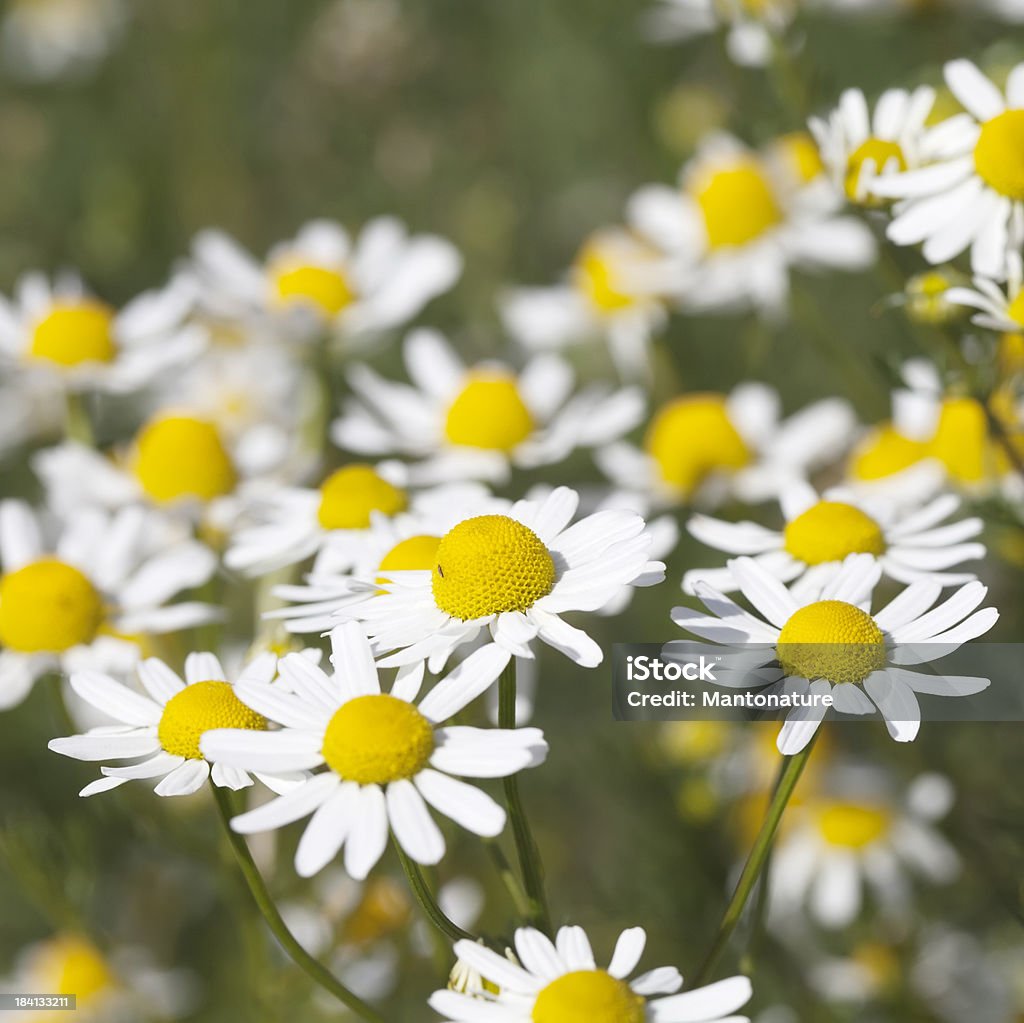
(162, 730)
(320, 279)
(560, 982)
(821, 532)
(61, 330)
(387, 758)
(972, 194)
(478, 422)
(86, 599)
(998, 309)
(830, 642)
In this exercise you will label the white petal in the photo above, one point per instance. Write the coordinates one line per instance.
(705, 1003)
(465, 804)
(898, 704)
(464, 683)
(327, 830)
(497, 969)
(115, 699)
(416, 831)
(203, 667)
(94, 746)
(159, 681)
(628, 950)
(184, 780)
(292, 806)
(368, 837)
(353, 661)
(272, 752)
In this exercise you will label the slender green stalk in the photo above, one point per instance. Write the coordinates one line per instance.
(425, 897)
(756, 861)
(257, 886)
(508, 877)
(77, 425)
(526, 847)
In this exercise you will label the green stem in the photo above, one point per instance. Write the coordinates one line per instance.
(257, 886)
(425, 897)
(508, 877)
(526, 847)
(752, 869)
(77, 425)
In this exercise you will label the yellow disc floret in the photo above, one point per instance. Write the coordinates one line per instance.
(884, 452)
(48, 606)
(326, 289)
(490, 564)
(489, 412)
(72, 965)
(598, 279)
(588, 996)
(1015, 309)
(349, 496)
(999, 154)
(75, 332)
(737, 203)
(801, 156)
(883, 154)
(830, 530)
(414, 554)
(198, 708)
(962, 441)
(852, 825)
(179, 457)
(833, 640)
(377, 739)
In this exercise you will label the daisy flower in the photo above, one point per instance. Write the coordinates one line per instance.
(560, 982)
(386, 757)
(998, 308)
(61, 330)
(88, 597)
(830, 642)
(820, 532)
(513, 575)
(322, 280)
(478, 422)
(162, 729)
(734, 230)
(972, 195)
(702, 447)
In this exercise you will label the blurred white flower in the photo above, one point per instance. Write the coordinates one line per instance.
(999, 308)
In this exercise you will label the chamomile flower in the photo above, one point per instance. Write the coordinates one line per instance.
(998, 308)
(830, 642)
(735, 230)
(820, 532)
(322, 281)
(971, 196)
(86, 597)
(560, 982)
(478, 422)
(162, 729)
(387, 758)
(701, 447)
(61, 330)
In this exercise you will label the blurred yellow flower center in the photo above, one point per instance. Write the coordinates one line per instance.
(999, 154)
(48, 606)
(180, 457)
(598, 278)
(587, 996)
(328, 290)
(350, 495)
(737, 203)
(377, 739)
(73, 333)
(884, 155)
(490, 564)
(198, 708)
(830, 530)
(488, 413)
(884, 452)
(1015, 310)
(70, 965)
(801, 153)
(852, 825)
(926, 298)
(831, 639)
(383, 910)
(961, 440)
(691, 438)
(414, 554)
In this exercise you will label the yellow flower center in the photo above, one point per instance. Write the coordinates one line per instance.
(1015, 310)
(181, 457)
(587, 996)
(490, 564)
(926, 297)
(374, 740)
(597, 278)
(198, 708)
(384, 909)
(691, 438)
(350, 495)
(417, 553)
(884, 452)
(852, 825)
(833, 640)
(881, 153)
(962, 441)
(70, 965)
(48, 606)
(830, 530)
(488, 413)
(801, 154)
(75, 332)
(737, 203)
(327, 290)
(999, 154)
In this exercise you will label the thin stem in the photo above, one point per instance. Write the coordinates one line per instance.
(425, 897)
(526, 847)
(1002, 435)
(508, 877)
(77, 424)
(756, 861)
(257, 886)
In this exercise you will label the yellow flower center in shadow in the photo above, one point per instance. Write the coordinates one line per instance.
(962, 442)
(884, 452)
(416, 553)
(999, 154)
(597, 277)
(852, 825)
(198, 708)
(691, 438)
(833, 640)
(801, 154)
(75, 332)
(179, 457)
(489, 413)
(490, 564)
(350, 495)
(327, 290)
(48, 606)
(384, 909)
(377, 739)
(883, 154)
(738, 204)
(830, 530)
(587, 996)
(70, 965)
